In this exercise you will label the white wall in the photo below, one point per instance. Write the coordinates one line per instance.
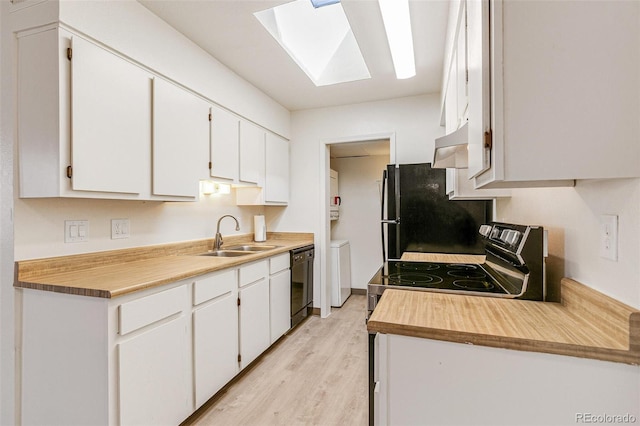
(39, 223)
(131, 29)
(572, 216)
(360, 186)
(7, 372)
(7, 313)
(413, 121)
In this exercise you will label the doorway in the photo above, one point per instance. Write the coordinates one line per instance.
(359, 163)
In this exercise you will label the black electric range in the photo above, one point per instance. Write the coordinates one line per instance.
(513, 267)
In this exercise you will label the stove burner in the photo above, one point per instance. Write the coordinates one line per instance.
(416, 266)
(467, 274)
(419, 280)
(462, 266)
(476, 285)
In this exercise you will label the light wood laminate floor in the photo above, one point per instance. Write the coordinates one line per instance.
(316, 375)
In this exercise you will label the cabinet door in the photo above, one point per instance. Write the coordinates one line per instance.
(461, 66)
(478, 85)
(111, 121)
(153, 375)
(215, 345)
(276, 184)
(254, 321)
(225, 130)
(280, 303)
(251, 153)
(180, 140)
(451, 99)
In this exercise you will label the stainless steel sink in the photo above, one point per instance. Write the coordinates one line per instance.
(252, 247)
(225, 253)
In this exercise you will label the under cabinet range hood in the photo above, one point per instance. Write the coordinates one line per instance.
(451, 150)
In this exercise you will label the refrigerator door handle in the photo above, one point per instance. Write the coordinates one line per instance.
(382, 219)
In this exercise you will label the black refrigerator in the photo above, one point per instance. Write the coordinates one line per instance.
(417, 215)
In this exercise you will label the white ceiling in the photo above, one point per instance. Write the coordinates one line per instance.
(228, 30)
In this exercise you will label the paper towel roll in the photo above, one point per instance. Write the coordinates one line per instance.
(259, 228)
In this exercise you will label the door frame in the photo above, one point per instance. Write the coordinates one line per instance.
(324, 237)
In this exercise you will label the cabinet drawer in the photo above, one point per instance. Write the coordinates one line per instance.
(253, 272)
(141, 312)
(279, 263)
(210, 287)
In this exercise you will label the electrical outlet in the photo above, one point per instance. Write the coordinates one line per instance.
(119, 228)
(609, 236)
(76, 231)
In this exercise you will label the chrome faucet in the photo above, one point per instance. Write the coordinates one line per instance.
(218, 242)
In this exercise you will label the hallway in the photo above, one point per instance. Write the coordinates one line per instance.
(316, 375)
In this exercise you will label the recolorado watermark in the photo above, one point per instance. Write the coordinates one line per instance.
(590, 418)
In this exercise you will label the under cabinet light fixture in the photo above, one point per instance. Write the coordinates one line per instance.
(320, 3)
(208, 187)
(397, 24)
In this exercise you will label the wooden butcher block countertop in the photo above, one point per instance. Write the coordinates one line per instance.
(115, 273)
(585, 324)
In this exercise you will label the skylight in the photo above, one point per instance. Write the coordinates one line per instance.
(319, 40)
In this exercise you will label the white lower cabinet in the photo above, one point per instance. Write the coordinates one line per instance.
(279, 295)
(153, 379)
(146, 358)
(215, 333)
(253, 293)
(432, 382)
(92, 360)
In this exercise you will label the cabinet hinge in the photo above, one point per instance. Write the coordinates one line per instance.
(239, 358)
(488, 139)
(210, 165)
(210, 117)
(69, 171)
(69, 53)
(238, 301)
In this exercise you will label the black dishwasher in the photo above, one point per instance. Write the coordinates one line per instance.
(301, 283)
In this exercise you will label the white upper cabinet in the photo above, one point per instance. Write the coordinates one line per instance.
(251, 153)
(110, 120)
(564, 98)
(478, 86)
(274, 189)
(459, 105)
(95, 124)
(180, 140)
(86, 117)
(276, 184)
(461, 70)
(225, 145)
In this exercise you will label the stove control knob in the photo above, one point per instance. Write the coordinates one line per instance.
(485, 230)
(512, 237)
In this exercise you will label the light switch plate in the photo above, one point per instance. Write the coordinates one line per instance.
(609, 236)
(76, 231)
(119, 228)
